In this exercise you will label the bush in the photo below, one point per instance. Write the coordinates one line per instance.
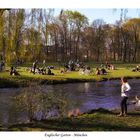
(39, 104)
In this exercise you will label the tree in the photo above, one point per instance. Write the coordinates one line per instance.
(38, 34)
(73, 24)
(133, 28)
(100, 38)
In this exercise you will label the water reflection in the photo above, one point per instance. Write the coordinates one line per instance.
(86, 87)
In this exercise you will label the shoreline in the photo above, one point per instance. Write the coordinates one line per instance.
(8, 83)
(97, 119)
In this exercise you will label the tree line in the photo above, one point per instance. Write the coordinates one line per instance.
(37, 34)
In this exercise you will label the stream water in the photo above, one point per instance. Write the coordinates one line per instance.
(83, 96)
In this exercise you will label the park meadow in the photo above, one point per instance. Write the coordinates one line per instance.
(63, 73)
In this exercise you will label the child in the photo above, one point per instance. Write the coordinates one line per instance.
(125, 88)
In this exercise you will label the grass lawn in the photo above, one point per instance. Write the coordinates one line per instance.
(27, 78)
(97, 120)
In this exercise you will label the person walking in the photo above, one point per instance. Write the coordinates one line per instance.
(125, 89)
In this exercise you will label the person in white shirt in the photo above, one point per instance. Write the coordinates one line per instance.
(125, 89)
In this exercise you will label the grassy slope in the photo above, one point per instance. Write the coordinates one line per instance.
(99, 120)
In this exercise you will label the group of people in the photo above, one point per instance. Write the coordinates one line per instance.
(136, 69)
(35, 69)
(70, 66)
(85, 70)
(73, 65)
(109, 66)
(101, 71)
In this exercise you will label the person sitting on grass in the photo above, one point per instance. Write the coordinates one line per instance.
(62, 71)
(66, 67)
(38, 71)
(81, 71)
(103, 71)
(136, 69)
(72, 66)
(49, 72)
(13, 71)
(43, 71)
(97, 72)
(87, 71)
(112, 67)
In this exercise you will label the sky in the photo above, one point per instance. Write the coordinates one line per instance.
(108, 15)
(93, 9)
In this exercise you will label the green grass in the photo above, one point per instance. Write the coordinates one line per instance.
(27, 78)
(98, 120)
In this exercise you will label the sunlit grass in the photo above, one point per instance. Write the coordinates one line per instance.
(26, 77)
(95, 121)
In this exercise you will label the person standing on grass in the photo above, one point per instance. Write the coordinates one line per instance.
(125, 89)
(34, 66)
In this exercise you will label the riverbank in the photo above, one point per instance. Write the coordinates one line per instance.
(95, 120)
(26, 78)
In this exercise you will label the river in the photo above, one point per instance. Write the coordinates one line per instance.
(83, 96)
